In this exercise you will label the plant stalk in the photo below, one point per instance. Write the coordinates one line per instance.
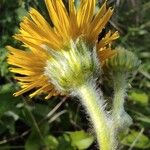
(119, 94)
(93, 101)
(121, 120)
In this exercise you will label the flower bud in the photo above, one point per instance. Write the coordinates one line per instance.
(122, 61)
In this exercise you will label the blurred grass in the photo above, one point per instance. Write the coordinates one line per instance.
(60, 123)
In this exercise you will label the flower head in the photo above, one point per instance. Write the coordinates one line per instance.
(46, 44)
(123, 61)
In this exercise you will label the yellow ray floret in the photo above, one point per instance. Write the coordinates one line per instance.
(37, 35)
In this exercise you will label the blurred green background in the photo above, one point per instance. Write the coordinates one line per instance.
(60, 123)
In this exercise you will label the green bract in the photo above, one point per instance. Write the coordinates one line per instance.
(123, 61)
(70, 68)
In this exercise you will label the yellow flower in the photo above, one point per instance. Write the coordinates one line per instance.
(37, 36)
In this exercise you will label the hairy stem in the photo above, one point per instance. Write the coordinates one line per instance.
(119, 94)
(93, 102)
(121, 120)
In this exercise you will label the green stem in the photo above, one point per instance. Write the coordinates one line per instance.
(93, 103)
(119, 94)
(121, 120)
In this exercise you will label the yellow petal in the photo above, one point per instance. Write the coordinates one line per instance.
(108, 39)
(105, 53)
(95, 29)
(85, 12)
(59, 17)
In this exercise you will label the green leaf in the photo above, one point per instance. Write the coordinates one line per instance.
(139, 97)
(6, 88)
(41, 110)
(139, 139)
(64, 143)
(7, 100)
(75, 140)
(144, 119)
(9, 123)
(44, 128)
(51, 142)
(21, 12)
(81, 139)
(33, 142)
